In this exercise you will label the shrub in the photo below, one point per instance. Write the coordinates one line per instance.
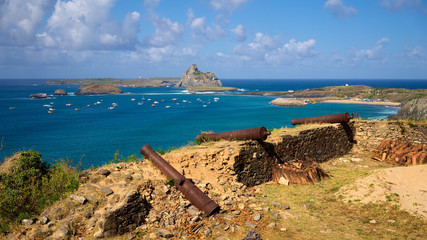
(32, 185)
(117, 158)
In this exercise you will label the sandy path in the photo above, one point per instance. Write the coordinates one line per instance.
(409, 183)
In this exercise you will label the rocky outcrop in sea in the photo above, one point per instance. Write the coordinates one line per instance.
(192, 77)
(39, 96)
(288, 102)
(97, 89)
(60, 92)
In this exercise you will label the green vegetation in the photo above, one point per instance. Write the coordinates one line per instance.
(117, 158)
(198, 73)
(400, 95)
(30, 185)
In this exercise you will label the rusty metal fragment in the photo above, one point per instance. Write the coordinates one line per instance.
(190, 191)
(332, 118)
(260, 133)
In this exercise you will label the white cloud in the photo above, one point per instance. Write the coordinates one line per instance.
(19, 20)
(159, 54)
(375, 53)
(339, 10)
(152, 3)
(166, 33)
(227, 5)
(201, 30)
(240, 32)
(401, 4)
(292, 51)
(87, 24)
(257, 49)
(414, 52)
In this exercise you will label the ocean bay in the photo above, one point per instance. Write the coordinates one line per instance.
(91, 135)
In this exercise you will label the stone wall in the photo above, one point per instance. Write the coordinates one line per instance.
(370, 134)
(253, 165)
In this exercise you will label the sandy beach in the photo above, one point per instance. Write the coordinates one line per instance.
(395, 104)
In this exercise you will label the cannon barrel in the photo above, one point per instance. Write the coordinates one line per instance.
(260, 133)
(190, 191)
(332, 118)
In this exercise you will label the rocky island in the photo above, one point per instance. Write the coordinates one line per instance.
(197, 81)
(97, 89)
(39, 96)
(60, 92)
(192, 77)
(288, 102)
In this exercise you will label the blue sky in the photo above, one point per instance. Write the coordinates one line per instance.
(247, 39)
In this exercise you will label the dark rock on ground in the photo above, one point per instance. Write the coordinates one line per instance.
(252, 235)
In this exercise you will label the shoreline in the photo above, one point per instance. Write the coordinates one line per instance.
(393, 104)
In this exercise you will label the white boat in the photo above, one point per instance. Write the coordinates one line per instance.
(47, 105)
(205, 105)
(168, 106)
(11, 108)
(155, 102)
(111, 108)
(115, 104)
(68, 104)
(140, 103)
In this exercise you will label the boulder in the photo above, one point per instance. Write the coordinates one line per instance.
(288, 102)
(39, 95)
(60, 92)
(97, 89)
(192, 77)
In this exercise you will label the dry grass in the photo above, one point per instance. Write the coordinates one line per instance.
(318, 213)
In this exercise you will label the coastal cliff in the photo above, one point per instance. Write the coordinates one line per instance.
(97, 89)
(192, 77)
(412, 110)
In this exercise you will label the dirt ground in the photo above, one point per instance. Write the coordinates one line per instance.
(405, 186)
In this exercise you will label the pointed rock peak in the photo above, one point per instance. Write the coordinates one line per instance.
(193, 77)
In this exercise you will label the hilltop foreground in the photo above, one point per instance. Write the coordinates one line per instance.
(134, 200)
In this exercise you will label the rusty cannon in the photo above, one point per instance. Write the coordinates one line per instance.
(260, 133)
(190, 191)
(332, 118)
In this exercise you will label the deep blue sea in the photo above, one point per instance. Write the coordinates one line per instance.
(93, 134)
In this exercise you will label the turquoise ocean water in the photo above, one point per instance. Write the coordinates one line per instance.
(94, 133)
